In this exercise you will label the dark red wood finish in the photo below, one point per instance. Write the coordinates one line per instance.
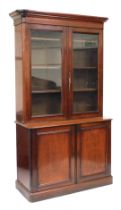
(19, 73)
(58, 154)
(53, 161)
(93, 149)
(67, 24)
(54, 192)
(63, 159)
(55, 123)
(45, 18)
(23, 144)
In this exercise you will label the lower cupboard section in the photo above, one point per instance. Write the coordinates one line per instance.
(59, 160)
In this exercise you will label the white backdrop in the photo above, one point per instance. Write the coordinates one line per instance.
(100, 198)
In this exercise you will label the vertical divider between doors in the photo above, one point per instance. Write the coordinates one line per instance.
(73, 174)
(78, 144)
(70, 72)
(65, 73)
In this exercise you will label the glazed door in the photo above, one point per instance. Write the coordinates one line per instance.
(86, 72)
(93, 151)
(53, 157)
(48, 71)
(66, 68)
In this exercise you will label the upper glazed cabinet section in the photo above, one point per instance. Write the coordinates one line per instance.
(59, 65)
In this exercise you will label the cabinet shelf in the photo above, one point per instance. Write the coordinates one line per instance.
(85, 90)
(46, 66)
(85, 41)
(46, 48)
(59, 91)
(46, 91)
(85, 48)
(44, 39)
(86, 67)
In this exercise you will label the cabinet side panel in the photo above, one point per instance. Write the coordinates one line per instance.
(23, 155)
(19, 74)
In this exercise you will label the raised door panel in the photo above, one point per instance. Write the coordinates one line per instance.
(54, 156)
(93, 147)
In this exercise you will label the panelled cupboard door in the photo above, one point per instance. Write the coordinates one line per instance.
(93, 148)
(53, 157)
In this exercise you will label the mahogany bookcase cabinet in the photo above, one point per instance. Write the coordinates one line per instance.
(63, 141)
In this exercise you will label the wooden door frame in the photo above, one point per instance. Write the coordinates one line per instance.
(27, 73)
(100, 71)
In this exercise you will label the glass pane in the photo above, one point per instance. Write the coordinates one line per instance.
(46, 72)
(85, 67)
